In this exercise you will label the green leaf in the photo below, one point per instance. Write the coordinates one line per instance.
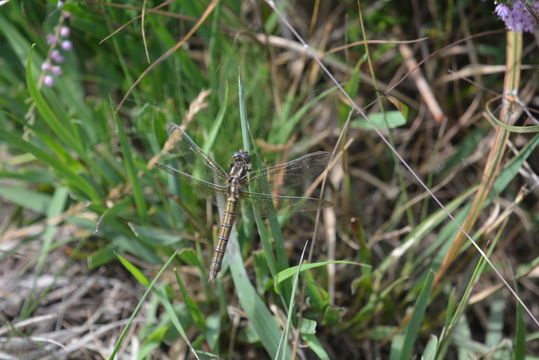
(154, 236)
(315, 346)
(26, 198)
(412, 329)
(72, 179)
(101, 257)
(289, 272)
(131, 170)
(520, 334)
(307, 327)
(255, 309)
(430, 350)
(387, 120)
(193, 309)
(46, 112)
(137, 274)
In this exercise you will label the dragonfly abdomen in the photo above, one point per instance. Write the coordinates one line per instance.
(229, 216)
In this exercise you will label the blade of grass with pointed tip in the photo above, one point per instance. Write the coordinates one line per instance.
(291, 271)
(150, 287)
(246, 137)
(430, 350)
(133, 270)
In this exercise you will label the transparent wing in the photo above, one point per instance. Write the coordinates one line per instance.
(287, 177)
(182, 157)
(200, 186)
(264, 202)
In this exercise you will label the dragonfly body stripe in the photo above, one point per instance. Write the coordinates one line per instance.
(239, 169)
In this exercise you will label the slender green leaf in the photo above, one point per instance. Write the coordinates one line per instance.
(387, 120)
(412, 329)
(131, 170)
(26, 198)
(137, 274)
(72, 179)
(289, 272)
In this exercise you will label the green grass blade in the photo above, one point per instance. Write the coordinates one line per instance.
(133, 270)
(430, 350)
(291, 271)
(412, 329)
(46, 112)
(520, 335)
(54, 209)
(72, 179)
(131, 170)
(139, 305)
(256, 311)
(28, 199)
(217, 123)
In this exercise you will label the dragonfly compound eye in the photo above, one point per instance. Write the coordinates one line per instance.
(243, 156)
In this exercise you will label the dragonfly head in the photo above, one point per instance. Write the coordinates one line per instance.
(242, 157)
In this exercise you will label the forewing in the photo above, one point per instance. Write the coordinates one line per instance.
(182, 157)
(265, 202)
(287, 178)
(200, 187)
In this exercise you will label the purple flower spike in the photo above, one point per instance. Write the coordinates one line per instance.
(46, 66)
(57, 57)
(518, 17)
(56, 70)
(502, 11)
(64, 31)
(51, 39)
(48, 80)
(67, 45)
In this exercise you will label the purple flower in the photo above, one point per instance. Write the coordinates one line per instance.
(67, 45)
(48, 80)
(64, 31)
(56, 70)
(57, 57)
(59, 4)
(518, 17)
(51, 39)
(46, 66)
(502, 11)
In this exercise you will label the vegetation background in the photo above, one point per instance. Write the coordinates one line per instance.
(104, 256)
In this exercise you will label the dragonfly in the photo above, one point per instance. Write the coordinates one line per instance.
(241, 186)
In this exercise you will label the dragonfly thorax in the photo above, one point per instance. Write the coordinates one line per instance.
(238, 171)
(242, 157)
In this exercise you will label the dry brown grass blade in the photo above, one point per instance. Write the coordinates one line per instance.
(421, 83)
(495, 157)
